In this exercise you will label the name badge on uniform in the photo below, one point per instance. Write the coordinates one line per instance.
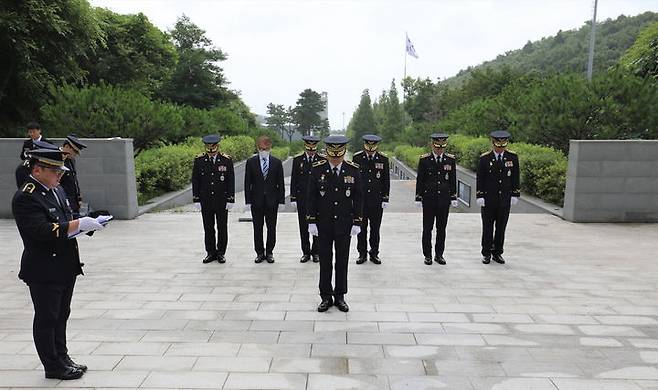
(221, 178)
(509, 163)
(378, 175)
(52, 210)
(348, 192)
(349, 180)
(379, 165)
(221, 168)
(447, 167)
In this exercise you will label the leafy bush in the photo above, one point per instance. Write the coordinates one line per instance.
(409, 155)
(281, 152)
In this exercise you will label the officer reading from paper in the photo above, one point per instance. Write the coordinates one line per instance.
(50, 262)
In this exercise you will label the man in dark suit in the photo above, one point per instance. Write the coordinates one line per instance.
(50, 262)
(498, 188)
(213, 188)
(376, 179)
(264, 191)
(334, 214)
(436, 191)
(72, 147)
(34, 132)
(23, 170)
(301, 172)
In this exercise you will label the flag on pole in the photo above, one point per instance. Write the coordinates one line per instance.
(410, 48)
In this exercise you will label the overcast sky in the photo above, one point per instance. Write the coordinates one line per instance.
(276, 49)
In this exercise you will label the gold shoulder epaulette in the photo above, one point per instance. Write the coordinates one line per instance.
(450, 155)
(485, 153)
(510, 151)
(299, 154)
(352, 163)
(29, 188)
(359, 152)
(200, 155)
(226, 155)
(318, 163)
(383, 154)
(425, 155)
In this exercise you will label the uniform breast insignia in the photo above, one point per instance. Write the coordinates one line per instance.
(447, 167)
(509, 173)
(347, 193)
(221, 168)
(379, 165)
(321, 193)
(509, 163)
(29, 188)
(447, 176)
(55, 229)
(221, 178)
(349, 179)
(378, 175)
(318, 163)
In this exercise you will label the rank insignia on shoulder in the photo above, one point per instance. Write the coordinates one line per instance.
(425, 155)
(200, 155)
(359, 152)
(29, 188)
(318, 163)
(226, 155)
(352, 163)
(450, 155)
(383, 154)
(485, 153)
(510, 151)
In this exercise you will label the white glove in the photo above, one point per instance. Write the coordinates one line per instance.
(384, 205)
(355, 230)
(313, 229)
(480, 202)
(197, 206)
(104, 219)
(89, 224)
(229, 206)
(454, 203)
(294, 205)
(513, 200)
(419, 205)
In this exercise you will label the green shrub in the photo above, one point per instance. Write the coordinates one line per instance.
(239, 147)
(296, 147)
(409, 155)
(281, 152)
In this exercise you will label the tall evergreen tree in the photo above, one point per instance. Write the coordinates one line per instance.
(363, 121)
(306, 112)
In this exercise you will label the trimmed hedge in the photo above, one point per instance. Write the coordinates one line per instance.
(281, 152)
(169, 168)
(543, 169)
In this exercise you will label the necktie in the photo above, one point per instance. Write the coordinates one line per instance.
(335, 171)
(265, 167)
(500, 158)
(52, 191)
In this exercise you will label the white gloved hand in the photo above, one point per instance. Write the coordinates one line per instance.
(384, 205)
(480, 202)
(197, 206)
(229, 206)
(104, 219)
(513, 200)
(313, 229)
(294, 205)
(355, 230)
(419, 205)
(454, 203)
(89, 224)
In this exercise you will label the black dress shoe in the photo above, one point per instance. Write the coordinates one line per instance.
(209, 259)
(362, 259)
(270, 258)
(486, 259)
(316, 258)
(499, 259)
(69, 362)
(259, 259)
(440, 260)
(305, 259)
(221, 259)
(324, 305)
(342, 305)
(428, 260)
(66, 373)
(375, 259)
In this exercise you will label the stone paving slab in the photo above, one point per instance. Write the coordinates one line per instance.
(575, 307)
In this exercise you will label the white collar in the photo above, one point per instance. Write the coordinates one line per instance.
(499, 154)
(43, 185)
(437, 156)
(308, 157)
(337, 166)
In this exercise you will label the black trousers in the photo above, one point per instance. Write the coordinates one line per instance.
(308, 247)
(210, 215)
(432, 214)
(264, 216)
(327, 241)
(371, 214)
(493, 216)
(52, 307)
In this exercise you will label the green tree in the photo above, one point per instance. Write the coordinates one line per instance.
(362, 122)
(135, 54)
(197, 80)
(42, 42)
(306, 113)
(642, 57)
(393, 124)
(277, 118)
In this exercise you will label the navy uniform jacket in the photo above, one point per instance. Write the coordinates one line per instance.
(498, 182)
(376, 178)
(69, 182)
(335, 203)
(260, 191)
(301, 172)
(49, 256)
(436, 184)
(22, 174)
(213, 184)
(27, 146)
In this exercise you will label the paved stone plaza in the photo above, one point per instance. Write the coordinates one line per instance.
(576, 307)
